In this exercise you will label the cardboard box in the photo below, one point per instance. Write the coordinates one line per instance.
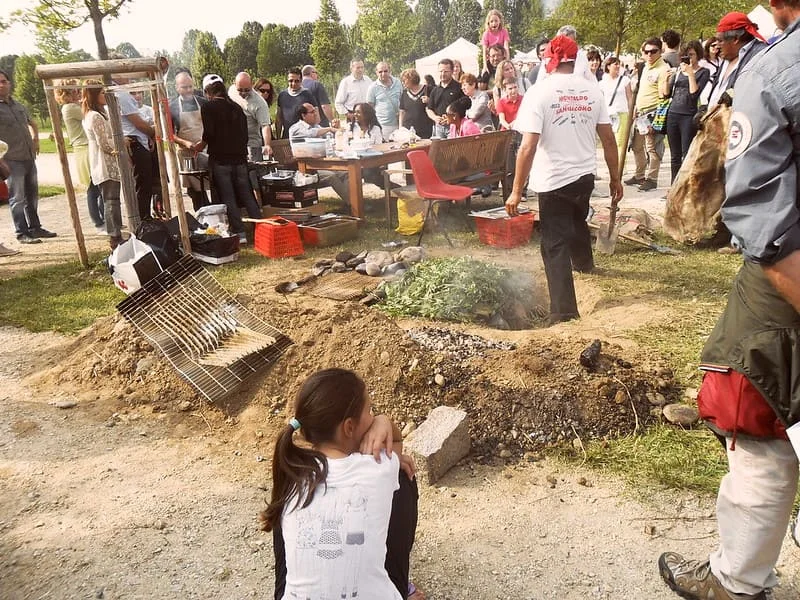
(299, 215)
(328, 232)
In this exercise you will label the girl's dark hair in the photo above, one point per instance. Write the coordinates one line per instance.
(324, 401)
(693, 45)
(369, 114)
(89, 97)
(707, 48)
(611, 60)
(460, 106)
(593, 54)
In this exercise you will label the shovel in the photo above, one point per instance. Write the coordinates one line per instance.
(609, 232)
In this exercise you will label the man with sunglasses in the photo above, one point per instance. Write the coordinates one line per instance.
(259, 133)
(648, 148)
(289, 100)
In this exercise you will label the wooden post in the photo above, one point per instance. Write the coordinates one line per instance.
(55, 117)
(124, 162)
(177, 193)
(162, 135)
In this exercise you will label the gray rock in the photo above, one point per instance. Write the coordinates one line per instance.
(354, 262)
(439, 443)
(65, 403)
(373, 269)
(392, 268)
(361, 268)
(681, 414)
(412, 254)
(344, 256)
(144, 365)
(439, 380)
(339, 267)
(319, 270)
(380, 258)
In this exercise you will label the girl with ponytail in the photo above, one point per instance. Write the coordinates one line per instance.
(343, 517)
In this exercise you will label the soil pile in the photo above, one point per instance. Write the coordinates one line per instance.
(518, 399)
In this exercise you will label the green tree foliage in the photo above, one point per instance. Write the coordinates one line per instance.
(388, 29)
(184, 56)
(28, 88)
(65, 15)
(355, 42)
(298, 45)
(208, 57)
(622, 25)
(127, 50)
(271, 56)
(525, 14)
(329, 50)
(53, 45)
(241, 51)
(464, 19)
(430, 25)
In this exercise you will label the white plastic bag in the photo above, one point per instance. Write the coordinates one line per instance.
(132, 264)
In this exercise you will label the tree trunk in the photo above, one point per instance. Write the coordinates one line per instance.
(97, 22)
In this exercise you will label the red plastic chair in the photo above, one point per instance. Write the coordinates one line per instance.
(431, 188)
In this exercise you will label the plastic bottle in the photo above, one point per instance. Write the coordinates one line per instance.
(412, 138)
(340, 140)
(330, 146)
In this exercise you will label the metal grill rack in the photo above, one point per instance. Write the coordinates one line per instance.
(212, 341)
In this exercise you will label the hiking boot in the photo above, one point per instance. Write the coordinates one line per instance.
(634, 181)
(647, 185)
(693, 580)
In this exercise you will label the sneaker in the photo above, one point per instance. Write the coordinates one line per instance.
(647, 185)
(634, 181)
(41, 232)
(24, 238)
(693, 579)
(242, 239)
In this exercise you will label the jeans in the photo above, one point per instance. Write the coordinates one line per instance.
(648, 150)
(23, 189)
(94, 201)
(566, 242)
(680, 133)
(110, 190)
(232, 183)
(754, 505)
(142, 176)
(399, 539)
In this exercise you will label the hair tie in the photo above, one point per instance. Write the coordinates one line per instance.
(294, 423)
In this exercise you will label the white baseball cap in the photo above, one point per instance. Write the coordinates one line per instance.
(211, 78)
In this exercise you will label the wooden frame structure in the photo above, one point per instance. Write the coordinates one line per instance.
(150, 71)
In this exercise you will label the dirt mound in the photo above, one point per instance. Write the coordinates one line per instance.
(518, 400)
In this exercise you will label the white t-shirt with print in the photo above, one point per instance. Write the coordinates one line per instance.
(565, 110)
(336, 546)
(608, 85)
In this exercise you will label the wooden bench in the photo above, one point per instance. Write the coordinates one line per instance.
(474, 161)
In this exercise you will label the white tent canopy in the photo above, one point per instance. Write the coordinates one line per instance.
(461, 49)
(763, 18)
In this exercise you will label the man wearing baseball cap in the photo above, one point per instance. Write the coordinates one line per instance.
(739, 41)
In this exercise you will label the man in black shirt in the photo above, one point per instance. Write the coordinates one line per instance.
(441, 97)
(225, 135)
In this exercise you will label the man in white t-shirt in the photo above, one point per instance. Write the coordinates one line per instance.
(559, 118)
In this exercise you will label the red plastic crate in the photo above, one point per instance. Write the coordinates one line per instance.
(278, 238)
(505, 233)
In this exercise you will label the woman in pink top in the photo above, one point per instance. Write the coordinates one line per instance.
(494, 33)
(460, 125)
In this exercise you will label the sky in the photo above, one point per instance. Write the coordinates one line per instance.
(152, 25)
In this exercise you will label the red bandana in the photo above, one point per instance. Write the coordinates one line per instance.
(560, 49)
(738, 20)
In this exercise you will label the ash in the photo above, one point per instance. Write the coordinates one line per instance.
(460, 345)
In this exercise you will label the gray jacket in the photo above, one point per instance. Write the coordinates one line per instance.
(763, 166)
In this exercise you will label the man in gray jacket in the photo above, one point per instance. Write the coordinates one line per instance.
(749, 395)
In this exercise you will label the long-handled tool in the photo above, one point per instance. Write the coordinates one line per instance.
(607, 236)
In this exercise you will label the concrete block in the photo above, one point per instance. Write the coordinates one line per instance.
(439, 443)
